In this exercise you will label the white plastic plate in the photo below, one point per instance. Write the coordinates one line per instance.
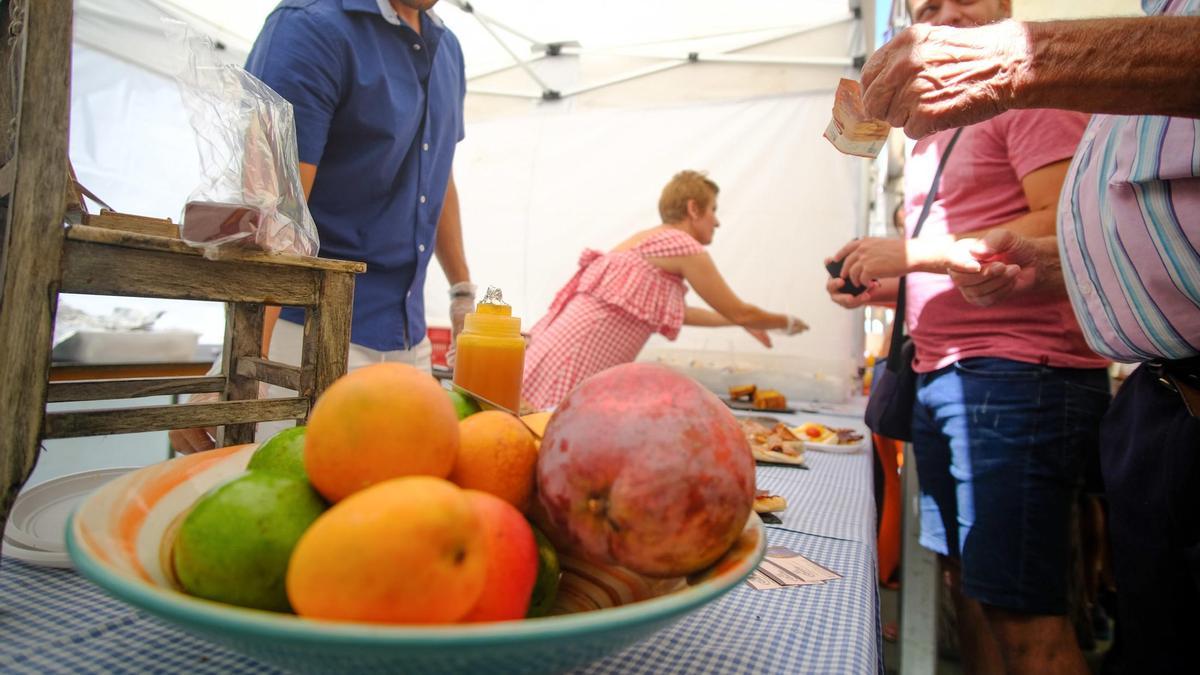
(38, 520)
(15, 551)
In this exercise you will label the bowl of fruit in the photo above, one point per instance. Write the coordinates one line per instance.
(399, 531)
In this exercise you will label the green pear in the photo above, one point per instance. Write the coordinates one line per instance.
(234, 545)
(282, 453)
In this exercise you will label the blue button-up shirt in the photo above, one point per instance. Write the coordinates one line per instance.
(378, 110)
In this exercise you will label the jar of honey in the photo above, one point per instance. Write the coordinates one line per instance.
(490, 350)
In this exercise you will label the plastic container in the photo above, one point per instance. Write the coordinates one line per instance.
(128, 347)
(490, 354)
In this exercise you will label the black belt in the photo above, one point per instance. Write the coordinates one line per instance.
(1182, 377)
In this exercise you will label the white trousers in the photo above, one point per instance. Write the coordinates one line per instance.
(285, 347)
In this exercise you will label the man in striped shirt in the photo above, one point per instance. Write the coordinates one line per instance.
(1127, 254)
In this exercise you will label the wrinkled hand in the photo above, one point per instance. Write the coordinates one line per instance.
(760, 335)
(187, 441)
(1010, 265)
(931, 78)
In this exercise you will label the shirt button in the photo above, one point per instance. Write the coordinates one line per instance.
(422, 199)
(421, 248)
(425, 147)
(408, 294)
(417, 46)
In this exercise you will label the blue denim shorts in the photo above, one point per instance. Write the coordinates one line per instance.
(999, 448)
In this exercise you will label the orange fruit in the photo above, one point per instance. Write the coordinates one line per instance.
(512, 560)
(376, 423)
(408, 550)
(497, 455)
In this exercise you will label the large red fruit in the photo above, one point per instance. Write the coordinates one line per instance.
(642, 467)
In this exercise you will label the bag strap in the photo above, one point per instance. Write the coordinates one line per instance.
(898, 319)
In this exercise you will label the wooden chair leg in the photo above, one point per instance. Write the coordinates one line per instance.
(243, 338)
(30, 258)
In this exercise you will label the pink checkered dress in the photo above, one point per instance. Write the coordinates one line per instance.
(604, 315)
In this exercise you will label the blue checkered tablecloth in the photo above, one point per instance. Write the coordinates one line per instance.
(54, 621)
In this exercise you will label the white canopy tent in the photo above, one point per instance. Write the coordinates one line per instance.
(577, 112)
(644, 90)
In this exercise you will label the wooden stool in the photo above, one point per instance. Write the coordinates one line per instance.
(40, 257)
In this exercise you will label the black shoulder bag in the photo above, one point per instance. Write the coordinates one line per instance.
(890, 407)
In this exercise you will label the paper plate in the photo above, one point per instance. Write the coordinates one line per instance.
(15, 551)
(38, 520)
(847, 449)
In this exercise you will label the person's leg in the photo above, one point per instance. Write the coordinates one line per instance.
(978, 645)
(420, 356)
(1150, 457)
(1015, 435)
(939, 505)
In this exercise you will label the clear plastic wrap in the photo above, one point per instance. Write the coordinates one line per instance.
(250, 195)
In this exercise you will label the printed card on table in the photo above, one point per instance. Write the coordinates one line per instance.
(784, 567)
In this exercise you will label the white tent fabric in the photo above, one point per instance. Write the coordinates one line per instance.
(539, 181)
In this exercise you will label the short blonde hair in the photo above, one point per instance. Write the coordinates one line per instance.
(685, 186)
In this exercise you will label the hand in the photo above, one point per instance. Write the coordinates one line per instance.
(872, 258)
(187, 441)
(931, 78)
(866, 260)
(794, 326)
(1010, 265)
(834, 287)
(760, 335)
(462, 303)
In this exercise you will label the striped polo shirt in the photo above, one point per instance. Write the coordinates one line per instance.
(1129, 231)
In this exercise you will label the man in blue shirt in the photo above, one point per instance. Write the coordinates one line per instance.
(377, 90)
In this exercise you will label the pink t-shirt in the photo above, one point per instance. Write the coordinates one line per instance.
(981, 187)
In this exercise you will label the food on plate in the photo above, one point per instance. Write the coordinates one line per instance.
(282, 453)
(769, 399)
(777, 445)
(812, 432)
(765, 502)
(742, 391)
(629, 459)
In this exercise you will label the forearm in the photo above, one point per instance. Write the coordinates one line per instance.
(696, 316)
(749, 316)
(933, 254)
(449, 250)
(1146, 65)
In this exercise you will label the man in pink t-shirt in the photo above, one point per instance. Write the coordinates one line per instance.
(1009, 397)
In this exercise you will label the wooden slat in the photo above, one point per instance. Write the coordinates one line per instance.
(126, 371)
(126, 222)
(145, 242)
(114, 270)
(31, 247)
(157, 418)
(243, 338)
(103, 390)
(271, 372)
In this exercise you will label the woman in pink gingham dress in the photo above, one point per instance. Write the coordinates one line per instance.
(617, 300)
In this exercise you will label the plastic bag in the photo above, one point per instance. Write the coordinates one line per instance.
(250, 195)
